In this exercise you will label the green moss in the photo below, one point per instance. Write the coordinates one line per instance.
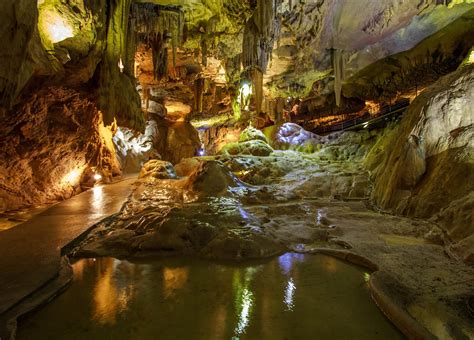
(236, 109)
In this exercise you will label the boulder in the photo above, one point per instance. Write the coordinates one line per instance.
(158, 169)
(251, 133)
(251, 147)
(212, 178)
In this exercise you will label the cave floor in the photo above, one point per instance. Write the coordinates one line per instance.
(299, 203)
(30, 253)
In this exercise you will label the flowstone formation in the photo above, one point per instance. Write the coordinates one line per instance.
(430, 157)
(239, 205)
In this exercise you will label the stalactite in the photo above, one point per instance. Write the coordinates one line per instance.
(257, 80)
(204, 51)
(154, 26)
(338, 61)
(260, 33)
(160, 55)
(198, 94)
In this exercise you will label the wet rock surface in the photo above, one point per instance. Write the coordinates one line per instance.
(245, 206)
(424, 167)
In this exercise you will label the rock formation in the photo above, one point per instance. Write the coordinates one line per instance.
(424, 167)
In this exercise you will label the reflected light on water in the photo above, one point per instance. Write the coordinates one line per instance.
(174, 279)
(289, 294)
(105, 296)
(244, 298)
(98, 199)
(109, 298)
(287, 260)
(246, 303)
(174, 298)
(331, 264)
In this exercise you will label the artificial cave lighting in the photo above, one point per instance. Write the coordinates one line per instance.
(244, 95)
(120, 65)
(202, 151)
(470, 60)
(246, 89)
(72, 177)
(237, 169)
(55, 27)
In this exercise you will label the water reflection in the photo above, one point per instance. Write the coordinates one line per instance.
(289, 294)
(98, 199)
(244, 298)
(107, 298)
(174, 279)
(292, 296)
(287, 261)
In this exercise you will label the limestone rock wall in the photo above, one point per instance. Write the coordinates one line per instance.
(53, 138)
(425, 166)
(22, 54)
(62, 90)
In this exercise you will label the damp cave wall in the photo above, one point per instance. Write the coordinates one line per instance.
(56, 98)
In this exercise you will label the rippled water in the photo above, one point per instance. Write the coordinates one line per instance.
(293, 296)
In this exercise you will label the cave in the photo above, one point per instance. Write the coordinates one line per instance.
(236, 169)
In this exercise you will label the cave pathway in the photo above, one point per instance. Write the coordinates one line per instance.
(30, 253)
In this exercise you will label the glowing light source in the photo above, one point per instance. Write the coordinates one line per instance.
(470, 60)
(286, 261)
(246, 90)
(120, 65)
(56, 28)
(97, 177)
(72, 177)
(244, 97)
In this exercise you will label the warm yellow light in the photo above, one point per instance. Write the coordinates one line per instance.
(97, 177)
(120, 65)
(470, 60)
(221, 76)
(56, 27)
(72, 177)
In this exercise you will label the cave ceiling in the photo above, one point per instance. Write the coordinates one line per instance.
(365, 30)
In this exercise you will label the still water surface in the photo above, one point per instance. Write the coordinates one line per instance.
(293, 296)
